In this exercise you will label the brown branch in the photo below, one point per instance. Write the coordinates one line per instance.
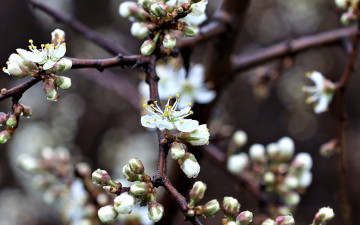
(341, 123)
(20, 89)
(246, 61)
(80, 27)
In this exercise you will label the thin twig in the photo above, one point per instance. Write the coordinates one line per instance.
(81, 28)
(20, 89)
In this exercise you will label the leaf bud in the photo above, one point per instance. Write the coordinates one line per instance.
(129, 174)
(158, 10)
(145, 4)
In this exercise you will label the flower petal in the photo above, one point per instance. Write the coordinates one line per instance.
(148, 121)
(164, 124)
(323, 103)
(318, 79)
(182, 112)
(203, 95)
(186, 125)
(60, 52)
(196, 75)
(31, 56)
(48, 65)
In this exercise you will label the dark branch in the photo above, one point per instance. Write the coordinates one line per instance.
(20, 89)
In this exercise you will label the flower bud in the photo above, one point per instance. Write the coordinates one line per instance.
(139, 189)
(145, 4)
(127, 9)
(4, 136)
(189, 31)
(169, 41)
(107, 214)
(28, 163)
(244, 218)
(285, 220)
(329, 148)
(237, 163)
(272, 150)
(148, 47)
(189, 165)
(56, 35)
(342, 4)
(210, 208)
(3, 118)
(11, 121)
(83, 169)
(200, 136)
(124, 203)
(62, 66)
(101, 177)
(129, 174)
(291, 182)
(16, 70)
(197, 192)
(239, 138)
(177, 150)
(286, 148)
(136, 166)
(231, 223)
(305, 179)
(269, 178)
(302, 161)
(63, 82)
(139, 30)
(348, 18)
(292, 198)
(268, 222)
(324, 215)
(158, 10)
(156, 211)
(257, 153)
(230, 206)
(27, 111)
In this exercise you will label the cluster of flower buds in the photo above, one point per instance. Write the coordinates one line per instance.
(272, 165)
(352, 14)
(163, 21)
(233, 216)
(45, 62)
(197, 193)
(142, 192)
(10, 120)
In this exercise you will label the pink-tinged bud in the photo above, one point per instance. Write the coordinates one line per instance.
(197, 192)
(129, 174)
(62, 66)
(348, 18)
(230, 206)
(323, 216)
(302, 161)
(107, 214)
(210, 208)
(177, 150)
(57, 36)
(139, 189)
(189, 165)
(101, 177)
(156, 211)
(83, 169)
(4, 136)
(329, 148)
(285, 220)
(244, 218)
(136, 166)
(27, 111)
(3, 118)
(124, 203)
(11, 121)
(268, 222)
(49, 87)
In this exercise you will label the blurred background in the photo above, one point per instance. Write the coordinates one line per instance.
(98, 125)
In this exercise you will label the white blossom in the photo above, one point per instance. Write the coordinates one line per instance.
(47, 56)
(107, 214)
(324, 215)
(200, 136)
(237, 163)
(321, 94)
(286, 148)
(125, 8)
(197, 14)
(257, 152)
(303, 160)
(169, 118)
(124, 203)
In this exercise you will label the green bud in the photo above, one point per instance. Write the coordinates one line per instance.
(156, 211)
(197, 192)
(27, 111)
(148, 47)
(190, 31)
(231, 206)
(177, 150)
(244, 218)
(4, 136)
(12, 121)
(101, 177)
(52, 95)
(139, 30)
(136, 166)
(62, 66)
(139, 189)
(210, 208)
(145, 4)
(157, 10)
(129, 174)
(63, 82)
(169, 41)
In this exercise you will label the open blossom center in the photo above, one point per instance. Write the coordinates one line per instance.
(169, 118)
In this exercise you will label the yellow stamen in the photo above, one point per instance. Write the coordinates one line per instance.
(181, 122)
(189, 104)
(144, 105)
(191, 112)
(169, 97)
(169, 107)
(8, 62)
(31, 41)
(155, 102)
(151, 105)
(4, 68)
(58, 40)
(155, 120)
(177, 95)
(148, 121)
(42, 45)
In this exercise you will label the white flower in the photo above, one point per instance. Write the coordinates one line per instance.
(257, 152)
(189, 165)
(197, 14)
(107, 214)
(173, 81)
(18, 67)
(303, 161)
(47, 56)
(321, 93)
(124, 203)
(200, 136)
(169, 118)
(286, 148)
(125, 8)
(324, 215)
(237, 163)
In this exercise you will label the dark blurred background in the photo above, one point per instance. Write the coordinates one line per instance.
(101, 127)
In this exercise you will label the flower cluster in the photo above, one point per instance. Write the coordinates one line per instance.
(46, 62)
(271, 164)
(142, 192)
(161, 21)
(321, 94)
(352, 14)
(174, 80)
(11, 120)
